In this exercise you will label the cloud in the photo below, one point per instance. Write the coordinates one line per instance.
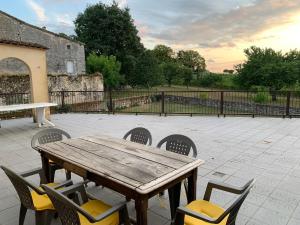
(122, 3)
(64, 20)
(38, 10)
(225, 26)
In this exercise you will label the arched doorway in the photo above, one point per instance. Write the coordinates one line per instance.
(34, 57)
(15, 82)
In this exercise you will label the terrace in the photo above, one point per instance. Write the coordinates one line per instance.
(235, 149)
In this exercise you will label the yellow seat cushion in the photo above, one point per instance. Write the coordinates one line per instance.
(95, 208)
(206, 208)
(42, 202)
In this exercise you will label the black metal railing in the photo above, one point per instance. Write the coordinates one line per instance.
(284, 104)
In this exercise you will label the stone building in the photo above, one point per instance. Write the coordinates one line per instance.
(64, 56)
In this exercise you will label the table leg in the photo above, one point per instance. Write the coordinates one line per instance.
(41, 117)
(174, 199)
(192, 186)
(46, 169)
(141, 207)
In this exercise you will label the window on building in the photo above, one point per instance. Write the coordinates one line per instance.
(70, 67)
(68, 46)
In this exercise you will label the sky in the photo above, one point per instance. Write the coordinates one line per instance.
(218, 29)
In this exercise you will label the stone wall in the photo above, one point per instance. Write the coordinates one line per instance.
(61, 49)
(233, 107)
(21, 83)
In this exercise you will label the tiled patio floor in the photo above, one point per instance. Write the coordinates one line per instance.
(267, 149)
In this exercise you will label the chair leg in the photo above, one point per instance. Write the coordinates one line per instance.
(23, 211)
(124, 217)
(49, 215)
(185, 182)
(52, 173)
(179, 219)
(68, 175)
(39, 218)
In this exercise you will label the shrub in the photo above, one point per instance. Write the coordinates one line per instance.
(261, 97)
(209, 80)
(203, 95)
(108, 66)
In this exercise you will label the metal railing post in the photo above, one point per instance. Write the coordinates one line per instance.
(288, 103)
(162, 102)
(111, 108)
(62, 99)
(222, 103)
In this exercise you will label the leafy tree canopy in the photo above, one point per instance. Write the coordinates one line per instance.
(267, 67)
(170, 71)
(147, 70)
(108, 30)
(163, 53)
(108, 66)
(192, 59)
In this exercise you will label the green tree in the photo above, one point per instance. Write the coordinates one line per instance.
(170, 71)
(147, 71)
(108, 66)
(108, 30)
(163, 53)
(187, 75)
(266, 67)
(192, 59)
(129, 69)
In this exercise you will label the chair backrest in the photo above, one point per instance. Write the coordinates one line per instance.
(139, 135)
(179, 144)
(48, 135)
(234, 208)
(21, 187)
(64, 207)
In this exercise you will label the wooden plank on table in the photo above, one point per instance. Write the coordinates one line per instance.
(157, 155)
(120, 157)
(98, 163)
(133, 151)
(153, 185)
(75, 156)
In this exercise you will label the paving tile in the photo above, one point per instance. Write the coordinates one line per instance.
(241, 148)
(280, 205)
(294, 222)
(270, 217)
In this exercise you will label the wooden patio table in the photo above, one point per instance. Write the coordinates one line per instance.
(134, 170)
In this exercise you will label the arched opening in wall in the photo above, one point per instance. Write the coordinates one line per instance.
(14, 85)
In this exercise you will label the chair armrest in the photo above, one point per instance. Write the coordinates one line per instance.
(223, 187)
(63, 184)
(31, 172)
(188, 212)
(72, 189)
(103, 215)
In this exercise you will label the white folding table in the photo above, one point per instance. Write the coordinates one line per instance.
(39, 107)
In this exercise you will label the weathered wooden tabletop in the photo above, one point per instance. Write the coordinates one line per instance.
(140, 168)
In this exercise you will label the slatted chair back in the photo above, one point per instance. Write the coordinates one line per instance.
(21, 187)
(48, 135)
(64, 207)
(179, 144)
(139, 135)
